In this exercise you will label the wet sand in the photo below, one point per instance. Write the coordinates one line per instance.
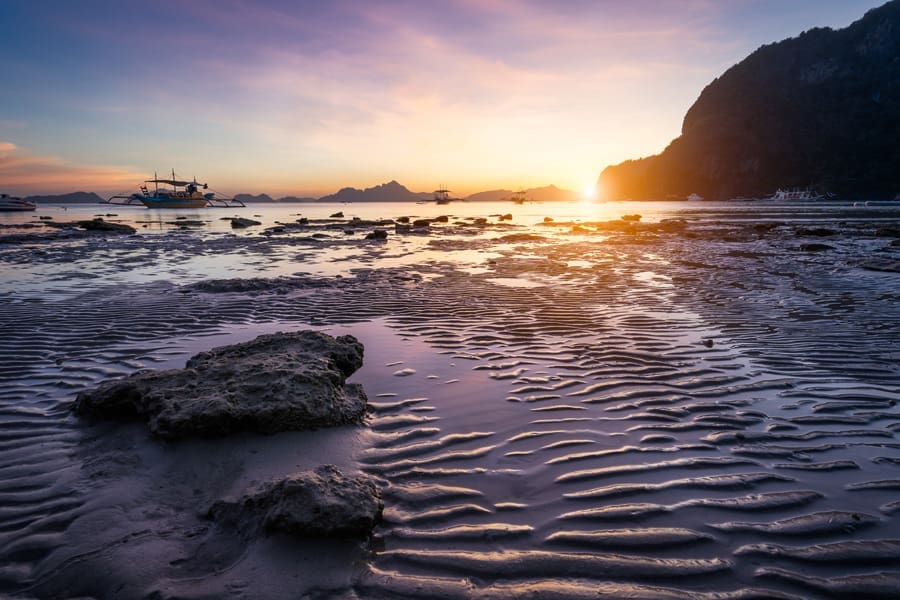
(562, 409)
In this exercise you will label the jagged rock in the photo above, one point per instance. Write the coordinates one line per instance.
(241, 222)
(323, 502)
(338, 215)
(277, 382)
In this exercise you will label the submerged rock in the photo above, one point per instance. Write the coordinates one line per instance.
(323, 502)
(99, 224)
(241, 222)
(278, 382)
(95, 224)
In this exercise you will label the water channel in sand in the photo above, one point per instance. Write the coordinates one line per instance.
(587, 410)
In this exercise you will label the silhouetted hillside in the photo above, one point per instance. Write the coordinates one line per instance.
(549, 193)
(253, 199)
(386, 192)
(295, 199)
(819, 110)
(73, 198)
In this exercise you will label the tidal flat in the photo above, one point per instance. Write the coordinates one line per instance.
(700, 403)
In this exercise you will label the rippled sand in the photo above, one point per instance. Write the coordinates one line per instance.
(558, 410)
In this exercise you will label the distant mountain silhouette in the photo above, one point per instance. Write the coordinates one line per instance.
(73, 198)
(386, 192)
(549, 193)
(258, 198)
(821, 110)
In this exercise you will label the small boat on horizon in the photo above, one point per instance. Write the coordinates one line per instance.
(14, 203)
(796, 194)
(519, 197)
(184, 194)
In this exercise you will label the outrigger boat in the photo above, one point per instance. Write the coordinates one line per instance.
(442, 195)
(184, 194)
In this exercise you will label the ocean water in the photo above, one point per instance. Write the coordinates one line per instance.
(558, 409)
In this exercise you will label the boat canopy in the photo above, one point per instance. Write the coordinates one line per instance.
(171, 182)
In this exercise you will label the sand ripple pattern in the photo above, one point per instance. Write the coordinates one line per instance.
(690, 417)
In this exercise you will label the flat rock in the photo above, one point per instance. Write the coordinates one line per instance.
(322, 502)
(278, 382)
(243, 223)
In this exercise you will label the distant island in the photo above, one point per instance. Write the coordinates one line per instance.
(821, 110)
(386, 192)
(73, 198)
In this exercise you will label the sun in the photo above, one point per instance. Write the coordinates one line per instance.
(589, 191)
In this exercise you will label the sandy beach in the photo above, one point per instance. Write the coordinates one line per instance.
(700, 403)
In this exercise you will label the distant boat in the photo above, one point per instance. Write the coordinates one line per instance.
(184, 194)
(694, 197)
(11, 203)
(796, 194)
(518, 197)
(442, 195)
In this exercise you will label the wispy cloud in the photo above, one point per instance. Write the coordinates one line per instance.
(24, 173)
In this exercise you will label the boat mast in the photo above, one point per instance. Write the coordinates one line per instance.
(156, 183)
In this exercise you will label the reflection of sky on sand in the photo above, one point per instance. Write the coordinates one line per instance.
(514, 372)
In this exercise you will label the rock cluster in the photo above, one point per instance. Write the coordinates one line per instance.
(321, 502)
(278, 382)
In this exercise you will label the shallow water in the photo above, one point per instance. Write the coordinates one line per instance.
(592, 413)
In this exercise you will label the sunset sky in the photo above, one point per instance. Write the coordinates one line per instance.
(301, 97)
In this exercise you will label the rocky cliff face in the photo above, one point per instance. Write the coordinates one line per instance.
(820, 110)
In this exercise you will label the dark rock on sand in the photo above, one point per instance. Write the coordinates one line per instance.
(278, 382)
(323, 502)
(815, 247)
(96, 224)
(888, 265)
(378, 234)
(422, 223)
(99, 224)
(815, 231)
(631, 217)
(241, 222)
(338, 215)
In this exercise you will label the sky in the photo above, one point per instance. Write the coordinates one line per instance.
(301, 97)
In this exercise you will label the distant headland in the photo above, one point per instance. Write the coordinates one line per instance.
(821, 110)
